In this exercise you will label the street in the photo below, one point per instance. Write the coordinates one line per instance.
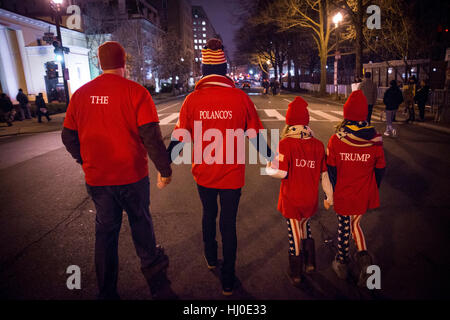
(47, 221)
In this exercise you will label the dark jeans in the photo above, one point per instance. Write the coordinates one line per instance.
(421, 111)
(25, 112)
(40, 114)
(369, 113)
(229, 203)
(110, 201)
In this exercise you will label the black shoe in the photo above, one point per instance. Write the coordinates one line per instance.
(309, 254)
(363, 260)
(227, 284)
(295, 269)
(210, 265)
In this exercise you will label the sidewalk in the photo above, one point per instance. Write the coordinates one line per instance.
(32, 126)
(378, 108)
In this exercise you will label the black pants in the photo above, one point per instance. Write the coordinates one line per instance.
(229, 203)
(110, 201)
(40, 114)
(369, 113)
(421, 111)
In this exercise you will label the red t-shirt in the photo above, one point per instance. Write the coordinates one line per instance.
(304, 161)
(356, 189)
(219, 108)
(107, 112)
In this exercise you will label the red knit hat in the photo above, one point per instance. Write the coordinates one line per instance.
(111, 55)
(297, 113)
(355, 108)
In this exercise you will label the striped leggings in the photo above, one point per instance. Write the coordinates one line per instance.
(349, 224)
(298, 230)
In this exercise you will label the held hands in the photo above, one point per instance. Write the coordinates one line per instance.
(327, 204)
(163, 181)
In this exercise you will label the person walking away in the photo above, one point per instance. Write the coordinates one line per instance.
(421, 98)
(392, 99)
(41, 108)
(217, 105)
(356, 165)
(409, 91)
(370, 92)
(110, 126)
(301, 165)
(7, 109)
(24, 105)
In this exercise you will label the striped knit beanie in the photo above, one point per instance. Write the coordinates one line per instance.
(213, 58)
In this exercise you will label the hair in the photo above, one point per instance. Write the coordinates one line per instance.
(20, 89)
(367, 75)
(393, 83)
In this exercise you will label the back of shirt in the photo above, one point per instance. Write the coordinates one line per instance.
(304, 161)
(356, 190)
(214, 114)
(107, 112)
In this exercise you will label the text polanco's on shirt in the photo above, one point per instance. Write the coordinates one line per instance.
(216, 114)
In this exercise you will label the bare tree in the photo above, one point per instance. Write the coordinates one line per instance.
(171, 60)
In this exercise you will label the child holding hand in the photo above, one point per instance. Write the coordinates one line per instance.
(301, 165)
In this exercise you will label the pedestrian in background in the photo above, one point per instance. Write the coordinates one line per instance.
(356, 165)
(24, 105)
(421, 98)
(41, 108)
(7, 109)
(409, 91)
(370, 92)
(110, 126)
(301, 165)
(214, 94)
(392, 99)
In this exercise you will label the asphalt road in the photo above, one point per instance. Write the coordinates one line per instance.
(47, 222)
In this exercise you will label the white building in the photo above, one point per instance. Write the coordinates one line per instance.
(23, 54)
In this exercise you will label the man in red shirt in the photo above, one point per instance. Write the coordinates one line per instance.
(356, 165)
(216, 107)
(111, 124)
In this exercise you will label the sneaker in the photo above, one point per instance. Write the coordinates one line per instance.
(210, 265)
(387, 133)
(227, 285)
(394, 132)
(227, 292)
(341, 268)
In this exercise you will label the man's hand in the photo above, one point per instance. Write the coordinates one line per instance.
(326, 204)
(163, 181)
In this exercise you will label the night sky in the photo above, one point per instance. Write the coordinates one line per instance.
(220, 13)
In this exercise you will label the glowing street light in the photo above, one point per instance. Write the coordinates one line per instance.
(337, 18)
(57, 1)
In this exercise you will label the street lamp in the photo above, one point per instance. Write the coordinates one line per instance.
(56, 6)
(336, 19)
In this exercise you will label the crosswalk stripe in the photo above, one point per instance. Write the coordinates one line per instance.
(341, 113)
(274, 113)
(170, 118)
(172, 105)
(287, 100)
(325, 115)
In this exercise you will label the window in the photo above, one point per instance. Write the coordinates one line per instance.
(196, 16)
(204, 40)
(196, 47)
(195, 41)
(203, 29)
(196, 59)
(195, 36)
(195, 22)
(204, 35)
(195, 29)
(203, 23)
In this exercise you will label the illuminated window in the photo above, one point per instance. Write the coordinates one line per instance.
(204, 35)
(204, 29)
(203, 23)
(204, 40)
(196, 59)
(196, 47)
(195, 41)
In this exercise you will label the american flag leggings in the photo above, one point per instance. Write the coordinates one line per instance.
(349, 224)
(298, 230)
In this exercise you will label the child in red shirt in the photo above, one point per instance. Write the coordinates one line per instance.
(301, 164)
(355, 160)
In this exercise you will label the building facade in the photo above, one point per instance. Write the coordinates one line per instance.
(25, 57)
